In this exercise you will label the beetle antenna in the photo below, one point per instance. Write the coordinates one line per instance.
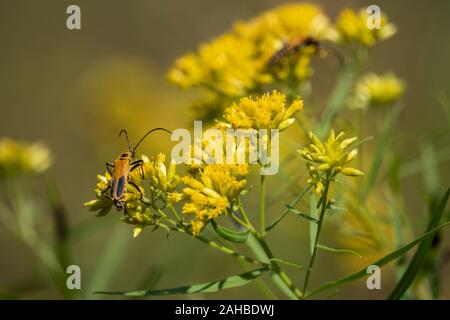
(155, 129)
(126, 137)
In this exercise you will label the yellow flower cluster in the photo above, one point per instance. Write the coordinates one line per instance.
(329, 158)
(353, 26)
(373, 89)
(17, 158)
(265, 112)
(235, 63)
(162, 180)
(212, 192)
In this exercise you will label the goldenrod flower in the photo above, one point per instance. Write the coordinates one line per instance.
(163, 179)
(17, 158)
(353, 26)
(268, 111)
(330, 157)
(373, 89)
(212, 192)
(235, 63)
(174, 197)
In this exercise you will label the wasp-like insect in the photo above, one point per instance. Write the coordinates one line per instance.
(120, 172)
(292, 47)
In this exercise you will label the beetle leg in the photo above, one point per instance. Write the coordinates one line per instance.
(140, 193)
(109, 165)
(105, 195)
(137, 163)
(137, 188)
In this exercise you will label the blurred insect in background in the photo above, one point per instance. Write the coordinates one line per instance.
(120, 172)
(292, 47)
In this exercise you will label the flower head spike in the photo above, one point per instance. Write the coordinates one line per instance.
(329, 158)
(353, 26)
(163, 180)
(377, 90)
(210, 193)
(268, 111)
(236, 63)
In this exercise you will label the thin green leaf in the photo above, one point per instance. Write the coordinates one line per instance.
(334, 250)
(293, 203)
(337, 98)
(300, 214)
(381, 262)
(230, 235)
(380, 151)
(214, 286)
(313, 226)
(336, 208)
(416, 261)
(290, 264)
(360, 142)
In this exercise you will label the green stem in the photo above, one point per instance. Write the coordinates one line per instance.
(239, 221)
(276, 267)
(262, 206)
(244, 214)
(323, 209)
(174, 212)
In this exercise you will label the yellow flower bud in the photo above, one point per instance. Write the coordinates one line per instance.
(352, 172)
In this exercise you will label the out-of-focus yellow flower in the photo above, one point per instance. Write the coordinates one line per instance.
(265, 112)
(235, 63)
(226, 65)
(212, 191)
(353, 26)
(373, 89)
(329, 157)
(17, 158)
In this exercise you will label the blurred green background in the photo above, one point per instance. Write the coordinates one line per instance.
(74, 91)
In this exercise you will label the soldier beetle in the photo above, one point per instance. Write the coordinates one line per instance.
(292, 47)
(120, 172)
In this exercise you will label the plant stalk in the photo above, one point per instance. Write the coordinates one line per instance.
(262, 206)
(323, 209)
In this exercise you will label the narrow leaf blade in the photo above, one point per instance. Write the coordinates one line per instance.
(230, 235)
(381, 262)
(416, 261)
(300, 214)
(380, 151)
(293, 203)
(334, 250)
(227, 283)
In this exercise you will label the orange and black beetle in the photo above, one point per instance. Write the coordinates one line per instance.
(120, 172)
